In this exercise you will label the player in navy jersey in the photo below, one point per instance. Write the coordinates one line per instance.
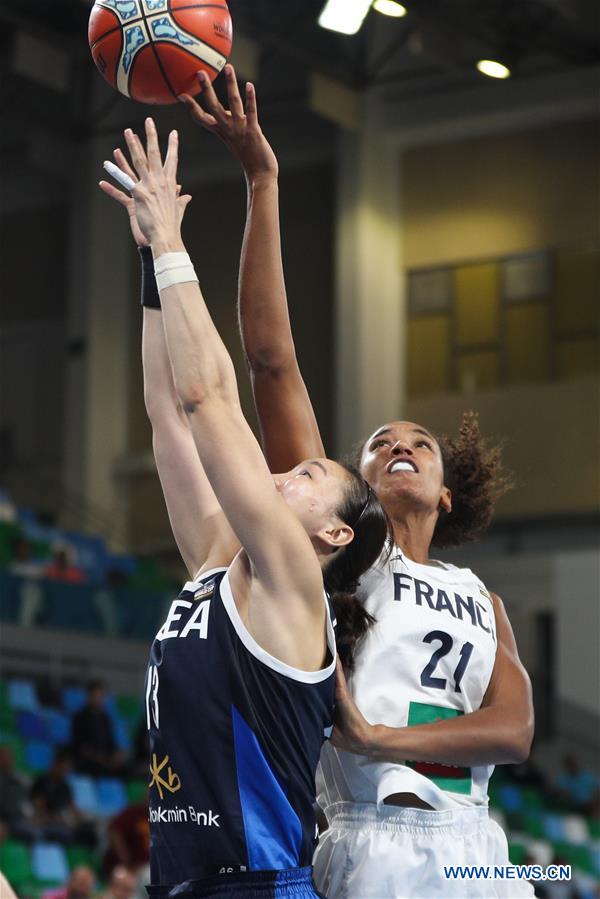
(439, 654)
(240, 686)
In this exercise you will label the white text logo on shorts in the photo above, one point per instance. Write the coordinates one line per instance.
(187, 815)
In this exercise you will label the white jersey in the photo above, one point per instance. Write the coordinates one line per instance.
(429, 656)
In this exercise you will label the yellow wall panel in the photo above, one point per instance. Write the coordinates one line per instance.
(577, 291)
(428, 354)
(578, 357)
(476, 290)
(527, 342)
(501, 194)
(478, 371)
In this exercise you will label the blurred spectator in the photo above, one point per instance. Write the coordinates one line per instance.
(24, 564)
(80, 885)
(14, 805)
(122, 884)
(128, 837)
(94, 745)
(578, 787)
(60, 569)
(55, 813)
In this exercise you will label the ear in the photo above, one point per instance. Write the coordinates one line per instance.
(446, 500)
(336, 535)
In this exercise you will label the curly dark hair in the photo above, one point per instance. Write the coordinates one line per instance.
(474, 473)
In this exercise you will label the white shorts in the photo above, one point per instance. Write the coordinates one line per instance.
(397, 853)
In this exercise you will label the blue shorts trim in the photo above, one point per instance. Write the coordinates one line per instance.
(288, 882)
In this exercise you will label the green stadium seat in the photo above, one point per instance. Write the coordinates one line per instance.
(517, 853)
(533, 825)
(17, 745)
(15, 864)
(493, 788)
(7, 719)
(129, 707)
(532, 798)
(578, 856)
(9, 531)
(79, 855)
(594, 828)
(136, 790)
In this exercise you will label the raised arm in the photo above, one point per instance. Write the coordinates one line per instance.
(498, 733)
(282, 558)
(288, 425)
(202, 533)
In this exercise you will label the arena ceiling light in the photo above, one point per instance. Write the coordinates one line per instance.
(390, 8)
(345, 16)
(493, 69)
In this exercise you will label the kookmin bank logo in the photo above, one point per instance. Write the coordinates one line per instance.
(168, 780)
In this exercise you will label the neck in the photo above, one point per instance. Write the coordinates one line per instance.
(413, 532)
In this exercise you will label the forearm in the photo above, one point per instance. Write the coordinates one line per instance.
(489, 736)
(160, 398)
(199, 361)
(262, 303)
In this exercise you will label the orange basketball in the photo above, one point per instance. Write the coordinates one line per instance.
(150, 50)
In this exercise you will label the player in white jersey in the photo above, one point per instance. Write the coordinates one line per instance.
(437, 694)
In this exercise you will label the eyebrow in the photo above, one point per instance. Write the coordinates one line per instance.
(379, 432)
(415, 431)
(319, 465)
(427, 434)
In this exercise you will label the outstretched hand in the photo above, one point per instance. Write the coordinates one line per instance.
(155, 207)
(351, 729)
(126, 200)
(237, 126)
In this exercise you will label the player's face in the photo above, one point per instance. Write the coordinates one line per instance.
(314, 490)
(402, 462)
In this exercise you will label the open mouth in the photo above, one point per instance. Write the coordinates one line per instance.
(402, 465)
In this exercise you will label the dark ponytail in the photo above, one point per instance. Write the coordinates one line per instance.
(364, 513)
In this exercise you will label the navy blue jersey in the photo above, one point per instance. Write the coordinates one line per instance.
(235, 737)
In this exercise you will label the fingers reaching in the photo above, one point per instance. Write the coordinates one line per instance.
(172, 156)
(212, 101)
(235, 101)
(199, 115)
(115, 193)
(136, 151)
(152, 147)
(123, 164)
(251, 110)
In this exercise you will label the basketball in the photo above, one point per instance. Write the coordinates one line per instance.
(150, 50)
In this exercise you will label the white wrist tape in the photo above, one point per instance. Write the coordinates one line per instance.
(173, 268)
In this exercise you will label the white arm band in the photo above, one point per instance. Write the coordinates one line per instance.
(173, 268)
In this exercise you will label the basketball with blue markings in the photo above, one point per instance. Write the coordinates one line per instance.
(151, 50)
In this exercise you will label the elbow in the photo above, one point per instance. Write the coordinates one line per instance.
(518, 744)
(191, 395)
(270, 360)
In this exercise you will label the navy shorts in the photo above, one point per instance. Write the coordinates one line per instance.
(288, 882)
